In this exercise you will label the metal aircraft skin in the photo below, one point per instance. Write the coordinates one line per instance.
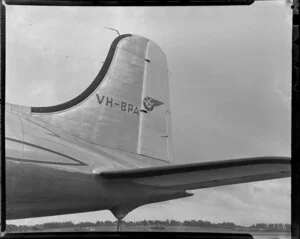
(111, 146)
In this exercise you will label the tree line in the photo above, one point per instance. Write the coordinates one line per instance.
(280, 227)
(272, 226)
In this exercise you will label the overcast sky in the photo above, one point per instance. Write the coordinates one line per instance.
(230, 79)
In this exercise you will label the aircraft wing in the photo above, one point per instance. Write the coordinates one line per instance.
(207, 174)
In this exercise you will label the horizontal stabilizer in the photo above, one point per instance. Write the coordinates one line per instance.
(208, 174)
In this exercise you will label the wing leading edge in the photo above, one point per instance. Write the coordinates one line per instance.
(207, 174)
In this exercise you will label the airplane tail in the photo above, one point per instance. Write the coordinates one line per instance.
(127, 106)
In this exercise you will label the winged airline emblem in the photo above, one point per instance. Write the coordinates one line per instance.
(150, 103)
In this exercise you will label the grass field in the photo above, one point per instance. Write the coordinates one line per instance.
(126, 228)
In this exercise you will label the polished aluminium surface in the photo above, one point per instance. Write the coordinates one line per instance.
(110, 148)
(109, 114)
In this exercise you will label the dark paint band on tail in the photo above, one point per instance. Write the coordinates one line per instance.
(99, 78)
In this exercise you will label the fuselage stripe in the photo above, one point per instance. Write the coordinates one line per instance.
(40, 162)
(78, 162)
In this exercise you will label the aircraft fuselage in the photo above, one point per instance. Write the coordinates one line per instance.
(44, 171)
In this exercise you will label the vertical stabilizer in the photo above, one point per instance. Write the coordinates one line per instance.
(127, 105)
